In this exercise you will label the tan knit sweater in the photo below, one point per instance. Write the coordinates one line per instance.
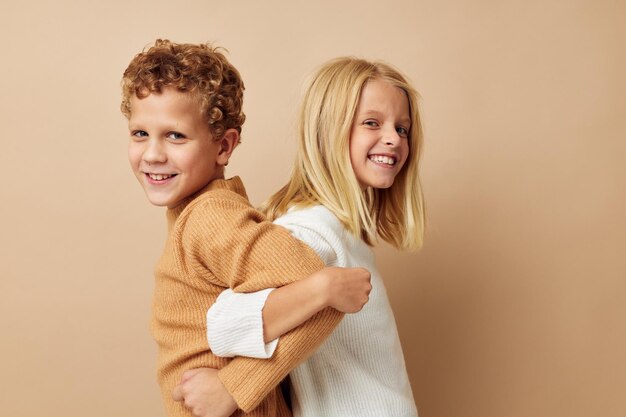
(217, 240)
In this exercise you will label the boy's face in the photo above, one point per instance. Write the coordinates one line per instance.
(171, 150)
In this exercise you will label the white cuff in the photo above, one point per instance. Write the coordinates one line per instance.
(235, 325)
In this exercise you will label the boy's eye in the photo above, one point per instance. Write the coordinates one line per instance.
(175, 136)
(139, 133)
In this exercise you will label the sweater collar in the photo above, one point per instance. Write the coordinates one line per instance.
(233, 184)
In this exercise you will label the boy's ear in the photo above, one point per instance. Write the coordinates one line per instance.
(228, 143)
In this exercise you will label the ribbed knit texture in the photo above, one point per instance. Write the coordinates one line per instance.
(216, 240)
(359, 371)
(239, 326)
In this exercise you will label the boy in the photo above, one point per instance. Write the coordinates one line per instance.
(184, 105)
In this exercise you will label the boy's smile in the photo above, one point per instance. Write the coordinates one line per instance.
(171, 150)
(379, 144)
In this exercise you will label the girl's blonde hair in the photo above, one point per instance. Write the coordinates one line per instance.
(323, 172)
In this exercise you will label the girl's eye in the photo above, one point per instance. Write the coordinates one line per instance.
(402, 131)
(371, 123)
(175, 136)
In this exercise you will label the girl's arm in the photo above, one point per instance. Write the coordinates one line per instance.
(237, 328)
(241, 324)
(344, 289)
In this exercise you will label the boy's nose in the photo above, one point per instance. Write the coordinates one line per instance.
(154, 152)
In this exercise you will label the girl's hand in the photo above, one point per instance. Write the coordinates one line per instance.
(346, 289)
(203, 394)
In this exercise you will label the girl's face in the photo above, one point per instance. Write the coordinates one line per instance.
(379, 138)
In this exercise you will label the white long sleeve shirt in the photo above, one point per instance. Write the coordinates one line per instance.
(359, 370)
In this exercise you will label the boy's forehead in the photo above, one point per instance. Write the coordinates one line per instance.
(166, 90)
(170, 107)
(169, 98)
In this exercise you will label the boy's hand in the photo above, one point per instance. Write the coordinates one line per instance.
(203, 394)
(348, 289)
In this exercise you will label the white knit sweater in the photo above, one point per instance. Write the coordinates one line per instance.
(359, 370)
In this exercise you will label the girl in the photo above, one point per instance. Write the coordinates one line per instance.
(355, 179)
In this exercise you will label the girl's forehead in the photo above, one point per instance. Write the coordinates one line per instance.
(379, 95)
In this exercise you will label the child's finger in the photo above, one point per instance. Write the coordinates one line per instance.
(177, 393)
(188, 374)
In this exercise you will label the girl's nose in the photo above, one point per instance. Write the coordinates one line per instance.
(391, 137)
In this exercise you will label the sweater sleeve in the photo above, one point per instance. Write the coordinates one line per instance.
(234, 325)
(230, 242)
(248, 253)
(235, 320)
(319, 230)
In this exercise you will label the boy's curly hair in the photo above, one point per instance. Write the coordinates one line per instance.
(201, 70)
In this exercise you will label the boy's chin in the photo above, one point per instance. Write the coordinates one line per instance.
(162, 201)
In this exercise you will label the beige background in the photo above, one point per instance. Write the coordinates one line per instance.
(516, 304)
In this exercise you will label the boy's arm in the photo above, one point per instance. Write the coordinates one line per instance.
(250, 380)
(248, 254)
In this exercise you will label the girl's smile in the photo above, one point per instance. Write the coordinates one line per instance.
(384, 160)
(379, 144)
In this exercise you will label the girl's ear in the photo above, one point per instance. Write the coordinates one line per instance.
(228, 143)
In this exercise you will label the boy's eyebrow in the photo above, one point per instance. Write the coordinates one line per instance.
(174, 127)
(134, 126)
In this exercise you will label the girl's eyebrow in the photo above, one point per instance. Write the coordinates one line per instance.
(406, 121)
(367, 112)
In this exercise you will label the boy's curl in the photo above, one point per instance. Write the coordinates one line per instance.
(202, 70)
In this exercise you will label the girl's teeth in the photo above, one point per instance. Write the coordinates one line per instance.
(383, 159)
